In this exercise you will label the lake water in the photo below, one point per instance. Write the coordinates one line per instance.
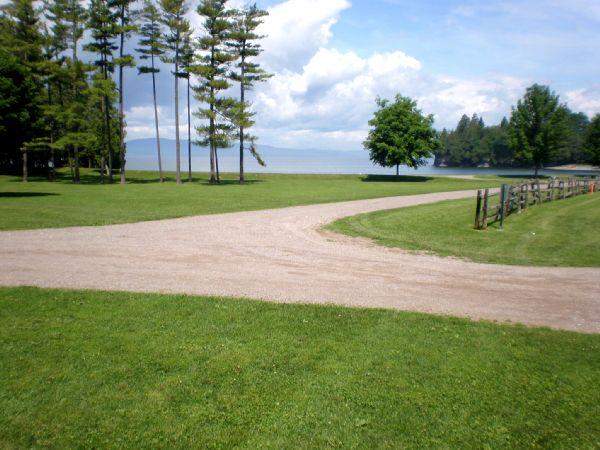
(141, 155)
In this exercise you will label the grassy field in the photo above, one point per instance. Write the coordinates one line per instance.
(562, 233)
(119, 370)
(41, 204)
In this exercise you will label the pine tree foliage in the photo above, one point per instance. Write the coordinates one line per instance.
(151, 48)
(212, 70)
(174, 18)
(243, 42)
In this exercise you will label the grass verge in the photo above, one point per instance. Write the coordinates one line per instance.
(97, 369)
(43, 204)
(561, 233)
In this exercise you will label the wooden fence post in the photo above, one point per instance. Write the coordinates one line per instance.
(486, 195)
(519, 198)
(539, 191)
(478, 211)
(526, 203)
(502, 204)
(561, 185)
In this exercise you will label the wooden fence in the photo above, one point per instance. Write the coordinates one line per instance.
(512, 199)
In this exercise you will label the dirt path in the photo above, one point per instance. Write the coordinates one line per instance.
(283, 255)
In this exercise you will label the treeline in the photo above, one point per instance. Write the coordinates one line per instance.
(59, 109)
(474, 144)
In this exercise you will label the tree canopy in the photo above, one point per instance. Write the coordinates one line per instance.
(400, 134)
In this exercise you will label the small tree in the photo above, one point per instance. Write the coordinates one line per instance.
(243, 42)
(151, 47)
(400, 134)
(593, 140)
(538, 126)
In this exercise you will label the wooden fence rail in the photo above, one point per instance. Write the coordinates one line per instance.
(515, 198)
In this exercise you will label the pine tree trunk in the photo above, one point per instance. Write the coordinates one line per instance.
(213, 178)
(121, 121)
(242, 95)
(397, 169)
(76, 178)
(189, 131)
(102, 168)
(25, 167)
(177, 143)
(217, 165)
(160, 171)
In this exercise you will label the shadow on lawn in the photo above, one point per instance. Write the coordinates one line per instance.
(93, 178)
(395, 179)
(25, 194)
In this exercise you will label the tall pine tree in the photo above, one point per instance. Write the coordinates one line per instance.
(213, 73)
(173, 17)
(243, 42)
(151, 47)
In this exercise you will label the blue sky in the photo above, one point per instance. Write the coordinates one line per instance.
(331, 58)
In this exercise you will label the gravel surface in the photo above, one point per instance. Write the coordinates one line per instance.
(284, 255)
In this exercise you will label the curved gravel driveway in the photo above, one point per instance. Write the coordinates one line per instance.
(284, 255)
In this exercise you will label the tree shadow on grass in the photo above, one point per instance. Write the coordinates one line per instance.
(395, 179)
(25, 194)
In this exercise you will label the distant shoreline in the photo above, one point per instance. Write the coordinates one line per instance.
(582, 167)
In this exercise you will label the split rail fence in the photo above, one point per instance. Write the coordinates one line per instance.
(496, 207)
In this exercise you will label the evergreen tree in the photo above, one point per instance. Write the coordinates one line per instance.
(103, 26)
(125, 27)
(173, 18)
(151, 47)
(187, 61)
(212, 70)
(21, 71)
(538, 126)
(243, 42)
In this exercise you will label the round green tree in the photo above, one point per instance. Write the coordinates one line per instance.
(400, 134)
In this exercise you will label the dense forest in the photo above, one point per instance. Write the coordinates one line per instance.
(474, 144)
(62, 85)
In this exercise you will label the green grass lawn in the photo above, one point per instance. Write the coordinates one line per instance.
(42, 204)
(120, 370)
(561, 233)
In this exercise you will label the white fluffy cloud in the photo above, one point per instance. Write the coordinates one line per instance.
(323, 97)
(296, 29)
(585, 100)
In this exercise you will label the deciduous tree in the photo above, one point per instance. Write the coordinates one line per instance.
(400, 134)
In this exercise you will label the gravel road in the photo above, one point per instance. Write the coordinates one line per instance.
(284, 255)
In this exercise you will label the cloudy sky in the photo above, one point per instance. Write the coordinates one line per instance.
(331, 58)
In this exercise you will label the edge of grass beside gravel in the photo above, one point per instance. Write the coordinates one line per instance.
(43, 204)
(562, 233)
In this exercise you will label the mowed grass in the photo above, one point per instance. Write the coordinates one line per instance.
(561, 233)
(43, 204)
(121, 370)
